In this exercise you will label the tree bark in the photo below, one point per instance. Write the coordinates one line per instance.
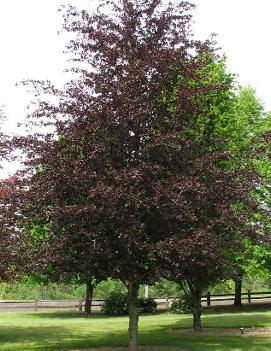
(197, 307)
(197, 320)
(133, 315)
(238, 290)
(89, 295)
(195, 294)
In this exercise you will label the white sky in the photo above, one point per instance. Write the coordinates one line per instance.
(243, 28)
(31, 48)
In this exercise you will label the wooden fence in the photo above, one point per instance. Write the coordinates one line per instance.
(162, 304)
(215, 299)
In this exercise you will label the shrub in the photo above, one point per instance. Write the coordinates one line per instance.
(164, 288)
(116, 304)
(181, 305)
(108, 286)
(147, 305)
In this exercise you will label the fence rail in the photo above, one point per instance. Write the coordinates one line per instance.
(245, 296)
(162, 304)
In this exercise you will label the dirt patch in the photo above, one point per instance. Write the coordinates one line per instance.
(227, 331)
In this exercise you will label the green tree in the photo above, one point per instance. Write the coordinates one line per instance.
(227, 122)
(245, 134)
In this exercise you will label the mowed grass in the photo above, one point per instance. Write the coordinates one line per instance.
(70, 331)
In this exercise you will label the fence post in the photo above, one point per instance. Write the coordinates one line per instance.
(249, 296)
(45, 288)
(36, 305)
(80, 305)
(146, 291)
(208, 299)
(167, 303)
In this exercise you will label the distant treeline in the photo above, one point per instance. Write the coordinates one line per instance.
(30, 290)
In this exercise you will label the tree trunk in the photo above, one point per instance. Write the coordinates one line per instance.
(197, 309)
(197, 320)
(89, 295)
(195, 295)
(133, 315)
(238, 290)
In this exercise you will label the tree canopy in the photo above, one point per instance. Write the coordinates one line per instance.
(129, 175)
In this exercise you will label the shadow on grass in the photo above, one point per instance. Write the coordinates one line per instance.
(246, 308)
(55, 338)
(17, 334)
(62, 314)
(233, 309)
(224, 321)
(76, 314)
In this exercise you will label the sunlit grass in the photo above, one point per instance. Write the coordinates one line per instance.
(70, 331)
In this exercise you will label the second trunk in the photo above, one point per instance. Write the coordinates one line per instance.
(133, 315)
(89, 295)
(238, 290)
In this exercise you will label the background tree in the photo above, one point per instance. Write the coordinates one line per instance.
(244, 133)
(221, 182)
(6, 237)
(13, 242)
(5, 145)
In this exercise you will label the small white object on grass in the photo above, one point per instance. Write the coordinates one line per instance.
(242, 331)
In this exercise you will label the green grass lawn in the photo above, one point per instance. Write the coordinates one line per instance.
(63, 331)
